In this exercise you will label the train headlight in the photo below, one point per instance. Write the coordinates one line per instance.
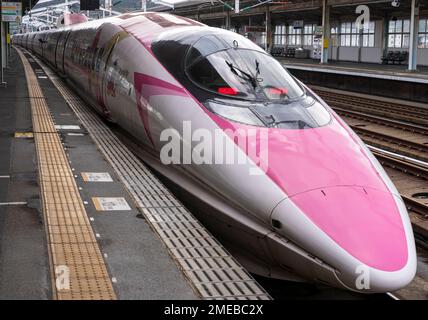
(235, 113)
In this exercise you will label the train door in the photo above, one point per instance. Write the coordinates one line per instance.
(49, 47)
(44, 42)
(107, 73)
(58, 39)
(102, 61)
(31, 41)
(60, 51)
(41, 44)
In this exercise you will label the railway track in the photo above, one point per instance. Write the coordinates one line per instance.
(400, 112)
(395, 136)
(387, 130)
(411, 180)
(398, 141)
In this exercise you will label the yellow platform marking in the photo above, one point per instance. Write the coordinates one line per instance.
(24, 135)
(78, 267)
(97, 204)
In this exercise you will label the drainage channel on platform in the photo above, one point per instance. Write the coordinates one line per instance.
(210, 269)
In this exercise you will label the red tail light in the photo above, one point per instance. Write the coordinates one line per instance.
(227, 90)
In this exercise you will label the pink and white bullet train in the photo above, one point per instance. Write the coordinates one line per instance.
(319, 206)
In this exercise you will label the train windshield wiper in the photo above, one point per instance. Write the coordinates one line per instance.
(245, 75)
(271, 121)
(300, 123)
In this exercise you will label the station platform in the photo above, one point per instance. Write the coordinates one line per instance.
(389, 81)
(81, 217)
(367, 70)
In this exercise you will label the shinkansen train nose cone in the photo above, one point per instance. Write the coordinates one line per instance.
(365, 222)
(367, 230)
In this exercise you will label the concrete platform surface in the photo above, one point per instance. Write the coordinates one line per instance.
(374, 70)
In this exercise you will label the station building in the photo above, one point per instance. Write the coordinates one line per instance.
(394, 27)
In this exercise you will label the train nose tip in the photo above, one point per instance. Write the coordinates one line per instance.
(365, 222)
(355, 230)
(369, 280)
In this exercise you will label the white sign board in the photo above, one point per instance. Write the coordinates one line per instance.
(110, 204)
(11, 11)
(298, 24)
(66, 127)
(96, 177)
(318, 31)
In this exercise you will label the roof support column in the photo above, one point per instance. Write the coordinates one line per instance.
(2, 46)
(325, 31)
(385, 33)
(8, 44)
(228, 22)
(268, 30)
(414, 30)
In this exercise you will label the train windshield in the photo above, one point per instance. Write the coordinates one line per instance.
(239, 70)
(235, 79)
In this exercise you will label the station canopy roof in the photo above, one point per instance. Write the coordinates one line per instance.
(152, 4)
(182, 2)
(118, 5)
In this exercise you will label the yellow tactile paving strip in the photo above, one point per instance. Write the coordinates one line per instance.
(24, 135)
(72, 244)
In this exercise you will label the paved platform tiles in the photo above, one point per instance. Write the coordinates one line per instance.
(392, 72)
(24, 263)
(77, 266)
